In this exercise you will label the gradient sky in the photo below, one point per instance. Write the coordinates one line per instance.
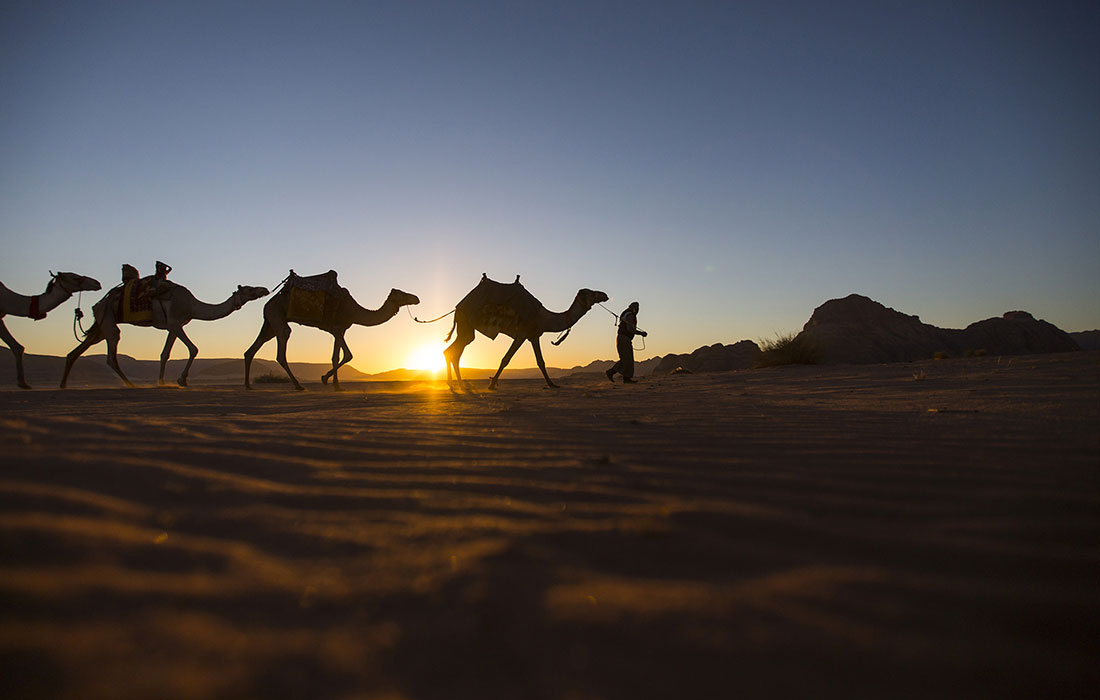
(731, 166)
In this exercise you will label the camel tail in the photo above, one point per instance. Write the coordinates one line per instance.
(451, 332)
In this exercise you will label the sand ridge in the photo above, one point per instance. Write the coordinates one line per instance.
(907, 530)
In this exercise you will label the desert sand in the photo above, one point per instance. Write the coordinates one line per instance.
(912, 530)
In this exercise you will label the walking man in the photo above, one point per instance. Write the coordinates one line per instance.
(624, 343)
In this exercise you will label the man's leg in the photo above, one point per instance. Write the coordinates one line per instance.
(626, 358)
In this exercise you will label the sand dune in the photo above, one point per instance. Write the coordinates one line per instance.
(908, 530)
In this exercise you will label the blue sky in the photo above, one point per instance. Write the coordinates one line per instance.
(731, 167)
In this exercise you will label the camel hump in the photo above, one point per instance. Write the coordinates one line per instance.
(493, 296)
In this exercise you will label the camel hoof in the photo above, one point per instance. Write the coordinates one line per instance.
(299, 387)
(324, 379)
(552, 385)
(24, 385)
(182, 381)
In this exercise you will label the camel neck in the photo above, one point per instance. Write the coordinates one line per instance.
(557, 321)
(38, 306)
(202, 311)
(367, 317)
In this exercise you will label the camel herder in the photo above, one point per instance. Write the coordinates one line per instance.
(624, 343)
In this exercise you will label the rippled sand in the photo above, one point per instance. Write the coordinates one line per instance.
(909, 530)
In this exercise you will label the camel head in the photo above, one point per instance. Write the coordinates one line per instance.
(246, 294)
(73, 283)
(402, 298)
(590, 297)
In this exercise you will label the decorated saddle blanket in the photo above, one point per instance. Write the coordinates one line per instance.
(313, 299)
(326, 282)
(135, 304)
(495, 307)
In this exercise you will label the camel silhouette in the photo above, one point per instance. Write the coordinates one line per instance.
(494, 307)
(335, 312)
(60, 287)
(173, 308)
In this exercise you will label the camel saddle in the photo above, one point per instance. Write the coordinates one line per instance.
(135, 304)
(313, 299)
(495, 306)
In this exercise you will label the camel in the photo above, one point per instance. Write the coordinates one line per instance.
(493, 307)
(173, 307)
(60, 287)
(337, 312)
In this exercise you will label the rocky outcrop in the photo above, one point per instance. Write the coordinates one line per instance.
(1015, 333)
(712, 358)
(1088, 340)
(858, 330)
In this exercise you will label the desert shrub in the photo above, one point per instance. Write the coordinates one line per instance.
(270, 378)
(975, 353)
(941, 355)
(789, 349)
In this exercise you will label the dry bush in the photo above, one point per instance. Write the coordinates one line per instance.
(788, 349)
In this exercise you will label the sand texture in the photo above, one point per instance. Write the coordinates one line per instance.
(884, 531)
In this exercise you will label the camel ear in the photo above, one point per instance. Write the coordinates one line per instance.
(52, 274)
(239, 287)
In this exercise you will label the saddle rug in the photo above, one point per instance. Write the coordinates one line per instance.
(135, 302)
(313, 299)
(496, 307)
(307, 305)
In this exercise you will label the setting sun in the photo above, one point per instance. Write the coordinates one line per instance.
(428, 357)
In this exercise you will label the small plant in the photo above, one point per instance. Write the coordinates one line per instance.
(941, 355)
(789, 349)
(271, 378)
(975, 353)
(918, 376)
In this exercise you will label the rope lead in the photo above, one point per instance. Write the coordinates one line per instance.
(77, 315)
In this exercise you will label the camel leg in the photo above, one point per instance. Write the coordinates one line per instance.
(281, 336)
(266, 334)
(339, 343)
(165, 354)
(17, 351)
(542, 365)
(193, 351)
(504, 362)
(112, 334)
(453, 353)
(94, 336)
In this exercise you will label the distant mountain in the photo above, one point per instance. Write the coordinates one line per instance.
(92, 370)
(712, 358)
(45, 371)
(859, 330)
(1088, 340)
(229, 371)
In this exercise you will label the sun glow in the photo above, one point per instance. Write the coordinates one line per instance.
(428, 357)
